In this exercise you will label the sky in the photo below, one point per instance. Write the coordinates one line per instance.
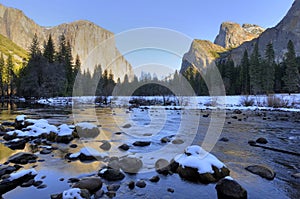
(199, 19)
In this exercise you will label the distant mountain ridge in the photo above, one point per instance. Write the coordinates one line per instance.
(84, 36)
(237, 39)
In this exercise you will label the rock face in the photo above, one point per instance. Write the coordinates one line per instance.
(201, 54)
(84, 37)
(232, 35)
(287, 29)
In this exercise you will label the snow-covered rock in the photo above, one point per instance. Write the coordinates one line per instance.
(87, 130)
(195, 164)
(87, 153)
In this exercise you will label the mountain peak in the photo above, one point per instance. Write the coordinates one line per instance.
(232, 35)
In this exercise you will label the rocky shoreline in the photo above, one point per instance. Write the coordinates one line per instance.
(117, 171)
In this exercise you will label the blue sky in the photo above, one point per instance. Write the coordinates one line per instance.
(194, 18)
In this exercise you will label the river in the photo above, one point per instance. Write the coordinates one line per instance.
(281, 129)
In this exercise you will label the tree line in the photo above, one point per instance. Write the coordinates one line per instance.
(256, 74)
(50, 73)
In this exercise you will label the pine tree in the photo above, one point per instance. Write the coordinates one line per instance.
(2, 65)
(10, 75)
(244, 74)
(255, 71)
(291, 78)
(268, 70)
(49, 50)
(34, 49)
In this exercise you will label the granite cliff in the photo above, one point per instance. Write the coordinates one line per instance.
(93, 44)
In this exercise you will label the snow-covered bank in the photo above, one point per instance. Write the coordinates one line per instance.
(283, 102)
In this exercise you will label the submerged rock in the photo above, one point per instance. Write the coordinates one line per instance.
(92, 184)
(105, 145)
(141, 143)
(162, 166)
(22, 158)
(130, 164)
(262, 171)
(230, 189)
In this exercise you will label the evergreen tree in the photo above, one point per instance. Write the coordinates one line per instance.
(268, 69)
(255, 71)
(10, 79)
(291, 78)
(34, 49)
(244, 74)
(49, 50)
(2, 65)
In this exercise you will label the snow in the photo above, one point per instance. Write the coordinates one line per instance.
(39, 127)
(88, 151)
(72, 193)
(86, 125)
(199, 102)
(19, 174)
(64, 130)
(102, 171)
(228, 178)
(20, 118)
(198, 158)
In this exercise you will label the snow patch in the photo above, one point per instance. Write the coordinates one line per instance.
(64, 130)
(86, 125)
(20, 174)
(20, 118)
(72, 193)
(89, 151)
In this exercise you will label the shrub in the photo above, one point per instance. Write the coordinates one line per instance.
(247, 101)
(277, 102)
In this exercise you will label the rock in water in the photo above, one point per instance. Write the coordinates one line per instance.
(197, 165)
(92, 184)
(130, 164)
(141, 184)
(87, 130)
(262, 140)
(141, 143)
(111, 174)
(105, 145)
(124, 147)
(230, 189)
(22, 158)
(16, 179)
(262, 171)
(162, 166)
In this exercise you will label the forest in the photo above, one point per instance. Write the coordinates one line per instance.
(51, 73)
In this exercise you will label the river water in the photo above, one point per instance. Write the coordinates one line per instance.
(281, 129)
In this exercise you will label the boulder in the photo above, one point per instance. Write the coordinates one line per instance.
(87, 130)
(141, 143)
(162, 166)
(22, 158)
(124, 147)
(111, 174)
(16, 144)
(6, 169)
(105, 145)
(141, 184)
(130, 164)
(73, 193)
(262, 170)
(262, 140)
(197, 165)
(92, 184)
(16, 179)
(154, 179)
(230, 189)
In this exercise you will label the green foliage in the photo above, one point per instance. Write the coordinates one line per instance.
(255, 71)
(291, 78)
